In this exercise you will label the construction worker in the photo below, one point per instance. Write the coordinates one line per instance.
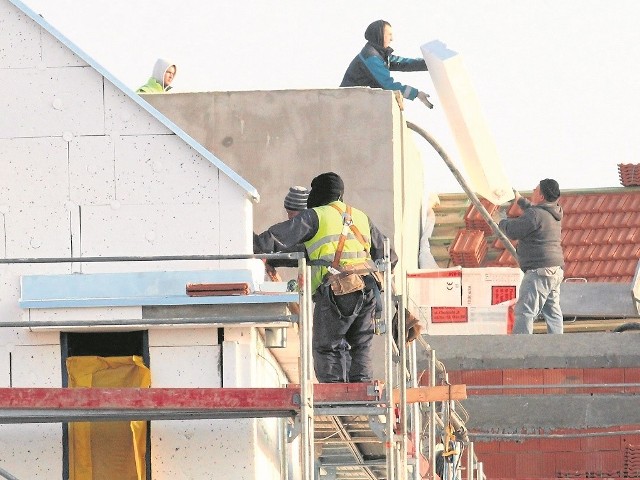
(294, 202)
(372, 66)
(344, 304)
(540, 257)
(160, 82)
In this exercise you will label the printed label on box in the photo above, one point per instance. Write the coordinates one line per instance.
(502, 293)
(449, 315)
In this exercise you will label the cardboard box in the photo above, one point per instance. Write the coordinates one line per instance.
(491, 320)
(440, 287)
(482, 287)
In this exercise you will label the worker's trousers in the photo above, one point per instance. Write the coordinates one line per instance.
(342, 335)
(539, 293)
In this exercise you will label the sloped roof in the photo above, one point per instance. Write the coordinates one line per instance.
(600, 234)
(234, 176)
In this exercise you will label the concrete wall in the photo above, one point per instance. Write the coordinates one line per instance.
(86, 171)
(276, 139)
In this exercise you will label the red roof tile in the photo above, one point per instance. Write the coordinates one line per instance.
(600, 235)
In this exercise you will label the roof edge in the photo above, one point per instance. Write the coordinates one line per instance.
(251, 191)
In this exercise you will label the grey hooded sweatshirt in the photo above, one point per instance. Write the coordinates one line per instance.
(538, 233)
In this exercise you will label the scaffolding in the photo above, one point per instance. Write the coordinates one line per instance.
(369, 431)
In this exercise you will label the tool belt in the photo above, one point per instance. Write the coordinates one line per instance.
(351, 278)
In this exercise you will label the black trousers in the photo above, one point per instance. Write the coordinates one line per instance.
(342, 335)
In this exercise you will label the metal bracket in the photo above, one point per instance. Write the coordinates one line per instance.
(378, 424)
(293, 429)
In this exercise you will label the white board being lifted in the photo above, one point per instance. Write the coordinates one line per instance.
(462, 109)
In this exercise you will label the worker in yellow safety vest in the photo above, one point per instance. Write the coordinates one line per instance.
(342, 244)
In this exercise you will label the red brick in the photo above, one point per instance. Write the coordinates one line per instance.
(560, 444)
(532, 445)
(632, 375)
(562, 375)
(591, 444)
(480, 448)
(498, 465)
(603, 376)
(482, 377)
(523, 377)
(531, 465)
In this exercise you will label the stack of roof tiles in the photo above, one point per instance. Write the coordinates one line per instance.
(600, 237)
(632, 461)
(469, 248)
(629, 174)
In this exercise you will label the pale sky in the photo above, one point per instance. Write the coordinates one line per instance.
(557, 80)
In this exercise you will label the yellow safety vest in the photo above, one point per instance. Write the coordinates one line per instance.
(324, 243)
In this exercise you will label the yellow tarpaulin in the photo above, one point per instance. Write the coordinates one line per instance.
(107, 450)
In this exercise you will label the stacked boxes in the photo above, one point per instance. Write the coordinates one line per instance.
(463, 301)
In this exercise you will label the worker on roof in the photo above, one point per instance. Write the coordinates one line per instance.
(164, 72)
(344, 310)
(372, 66)
(540, 257)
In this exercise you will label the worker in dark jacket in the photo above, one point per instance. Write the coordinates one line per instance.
(372, 66)
(540, 257)
(339, 320)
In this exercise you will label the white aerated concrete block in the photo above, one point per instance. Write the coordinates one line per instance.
(5, 365)
(36, 366)
(125, 117)
(85, 314)
(185, 367)
(71, 105)
(20, 39)
(151, 230)
(38, 232)
(162, 168)
(32, 165)
(91, 175)
(32, 450)
(182, 337)
(462, 108)
(199, 449)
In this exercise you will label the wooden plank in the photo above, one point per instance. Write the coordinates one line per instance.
(440, 393)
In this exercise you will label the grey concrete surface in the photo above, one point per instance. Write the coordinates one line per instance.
(575, 350)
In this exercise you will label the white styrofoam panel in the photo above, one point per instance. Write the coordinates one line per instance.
(193, 449)
(163, 169)
(32, 450)
(71, 105)
(38, 231)
(91, 170)
(194, 366)
(85, 313)
(150, 230)
(475, 144)
(5, 366)
(35, 171)
(182, 337)
(19, 37)
(36, 366)
(124, 116)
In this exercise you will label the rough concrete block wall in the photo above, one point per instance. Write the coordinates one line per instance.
(276, 139)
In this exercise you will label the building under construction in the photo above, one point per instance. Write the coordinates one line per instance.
(112, 203)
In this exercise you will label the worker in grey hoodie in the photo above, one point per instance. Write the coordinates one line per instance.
(164, 72)
(540, 257)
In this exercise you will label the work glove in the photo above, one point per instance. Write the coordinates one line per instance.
(498, 215)
(424, 98)
(413, 327)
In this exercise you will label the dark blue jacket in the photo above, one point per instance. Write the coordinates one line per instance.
(372, 66)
